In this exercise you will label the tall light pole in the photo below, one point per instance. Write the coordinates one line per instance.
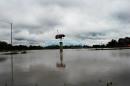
(11, 25)
(11, 36)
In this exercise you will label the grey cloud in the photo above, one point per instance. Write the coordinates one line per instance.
(26, 26)
(63, 3)
(43, 23)
(20, 39)
(49, 22)
(91, 35)
(123, 17)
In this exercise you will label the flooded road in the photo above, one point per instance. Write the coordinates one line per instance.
(83, 68)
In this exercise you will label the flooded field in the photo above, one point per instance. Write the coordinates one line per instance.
(83, 68)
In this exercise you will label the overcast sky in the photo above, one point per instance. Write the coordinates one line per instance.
(83, 21)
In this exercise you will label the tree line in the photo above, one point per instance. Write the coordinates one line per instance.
(121, 42)
(4, 46)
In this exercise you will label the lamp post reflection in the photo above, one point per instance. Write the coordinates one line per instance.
(12, 66)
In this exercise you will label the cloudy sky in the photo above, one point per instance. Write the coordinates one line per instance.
(83, 21)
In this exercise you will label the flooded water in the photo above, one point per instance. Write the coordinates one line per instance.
(83, 68)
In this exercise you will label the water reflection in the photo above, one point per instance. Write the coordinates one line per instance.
(2, 59)
(84, 68)
(121, 53)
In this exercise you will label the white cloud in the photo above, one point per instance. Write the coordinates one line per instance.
(90, 20)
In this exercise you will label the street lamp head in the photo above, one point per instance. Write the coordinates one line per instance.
(59, 36)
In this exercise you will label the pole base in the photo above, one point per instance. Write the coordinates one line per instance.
(60, 65)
